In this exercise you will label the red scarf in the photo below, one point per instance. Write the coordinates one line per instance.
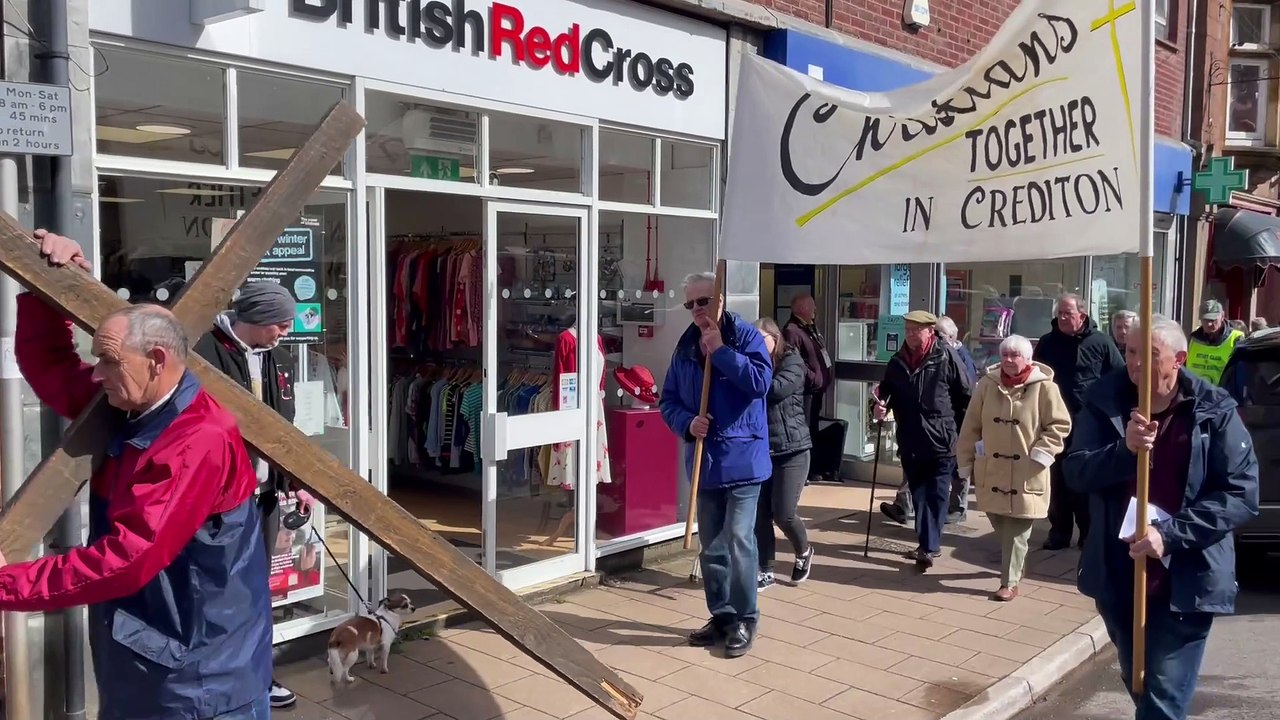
(915, 359)
(1016, 380)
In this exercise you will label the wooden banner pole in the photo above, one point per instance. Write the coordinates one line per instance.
(1144, 478)
(714, 312)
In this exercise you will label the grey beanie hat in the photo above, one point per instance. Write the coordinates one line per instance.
(264, 303)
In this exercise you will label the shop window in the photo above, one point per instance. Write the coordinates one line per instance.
(160, 108)
(861, 307)
(278, 115)
(855, 402)
(154, 235)
(643, 260)
(990, 301)
(1250, 26)
(533, 153)
(406, 136)
(1247, 115)
(626, 168)
(1115, 281)
(688, 175)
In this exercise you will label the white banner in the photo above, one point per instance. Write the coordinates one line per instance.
(1030, 150)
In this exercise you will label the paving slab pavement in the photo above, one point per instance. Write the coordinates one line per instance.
(864, 638)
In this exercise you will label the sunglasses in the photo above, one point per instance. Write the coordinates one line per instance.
(700, 302)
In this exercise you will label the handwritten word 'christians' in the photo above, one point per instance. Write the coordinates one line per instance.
(1044, 46)
(1022, 142)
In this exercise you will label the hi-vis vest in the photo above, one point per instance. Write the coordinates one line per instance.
(1208, 361)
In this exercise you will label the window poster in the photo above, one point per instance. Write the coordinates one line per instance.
(297, 558)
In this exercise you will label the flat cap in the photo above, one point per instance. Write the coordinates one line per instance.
(921, 317)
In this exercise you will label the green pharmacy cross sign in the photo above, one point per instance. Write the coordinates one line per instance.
(1220, 180)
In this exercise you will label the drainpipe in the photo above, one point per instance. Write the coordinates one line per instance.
(1194, 107)
(17, 696)
(57, 63)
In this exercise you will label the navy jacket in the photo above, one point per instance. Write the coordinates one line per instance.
(736, 450)
(1221, 495)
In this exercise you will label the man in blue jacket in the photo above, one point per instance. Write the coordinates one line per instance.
(1203, 475)
(735, 458)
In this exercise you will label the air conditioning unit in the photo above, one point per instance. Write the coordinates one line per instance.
(440, 131)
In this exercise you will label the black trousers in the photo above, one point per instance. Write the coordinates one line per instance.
(779, 503)
(1067, 510)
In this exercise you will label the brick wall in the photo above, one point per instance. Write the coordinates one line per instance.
(959, 29)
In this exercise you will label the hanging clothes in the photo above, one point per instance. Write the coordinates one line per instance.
(563, 467)
(436, 298)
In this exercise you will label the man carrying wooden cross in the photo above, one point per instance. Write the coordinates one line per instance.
(175, 574)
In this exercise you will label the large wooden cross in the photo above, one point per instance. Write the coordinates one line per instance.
(86, 301)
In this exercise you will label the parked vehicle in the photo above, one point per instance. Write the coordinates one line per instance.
(1252, 376)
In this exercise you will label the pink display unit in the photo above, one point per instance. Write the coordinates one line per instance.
(644, 454)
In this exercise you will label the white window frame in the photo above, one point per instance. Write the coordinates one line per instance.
(1258, 137)
(1265, 10)
(1162, 19)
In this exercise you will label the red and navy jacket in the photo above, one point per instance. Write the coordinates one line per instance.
(175, 574)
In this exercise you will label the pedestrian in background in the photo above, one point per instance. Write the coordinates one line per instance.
(1203, 484)
(801, 332)
(1211, 344)
(789, 446)
(928, 391)
(958, 504)
(1016, 424)
(735, 455)
(1121, 325)
(244, 345)
(1078, 355)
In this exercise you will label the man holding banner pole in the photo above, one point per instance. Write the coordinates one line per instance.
(735, 454)
(1203, 484)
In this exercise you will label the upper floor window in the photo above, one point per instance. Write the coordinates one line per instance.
(1250, 26)
(1247, 112)
(1162, 19)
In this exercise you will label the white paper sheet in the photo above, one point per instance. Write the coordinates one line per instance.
(308, 407)
(1129, 526)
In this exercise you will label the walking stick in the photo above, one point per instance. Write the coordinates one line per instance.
(713, 311)
(875, 470)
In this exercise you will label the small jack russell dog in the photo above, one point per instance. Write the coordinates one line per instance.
(372, 633)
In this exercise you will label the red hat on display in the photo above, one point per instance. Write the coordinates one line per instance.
(637, 382)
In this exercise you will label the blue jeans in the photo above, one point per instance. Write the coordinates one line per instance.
(1175, 647)
(930, 483)
(726, 525)
(257, 710)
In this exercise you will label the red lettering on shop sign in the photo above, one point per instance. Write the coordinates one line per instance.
(507, 33)
(535, 47)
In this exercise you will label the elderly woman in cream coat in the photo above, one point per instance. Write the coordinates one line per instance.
(1016, 424)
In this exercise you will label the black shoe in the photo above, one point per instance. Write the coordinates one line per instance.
(737, 641)
(707, 635)
(1053, 544)
(804, 563)
(764, 580)
(894, 513)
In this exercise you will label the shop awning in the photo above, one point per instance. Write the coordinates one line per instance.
(1244, 238)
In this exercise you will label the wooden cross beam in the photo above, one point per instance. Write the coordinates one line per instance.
(57, 480)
